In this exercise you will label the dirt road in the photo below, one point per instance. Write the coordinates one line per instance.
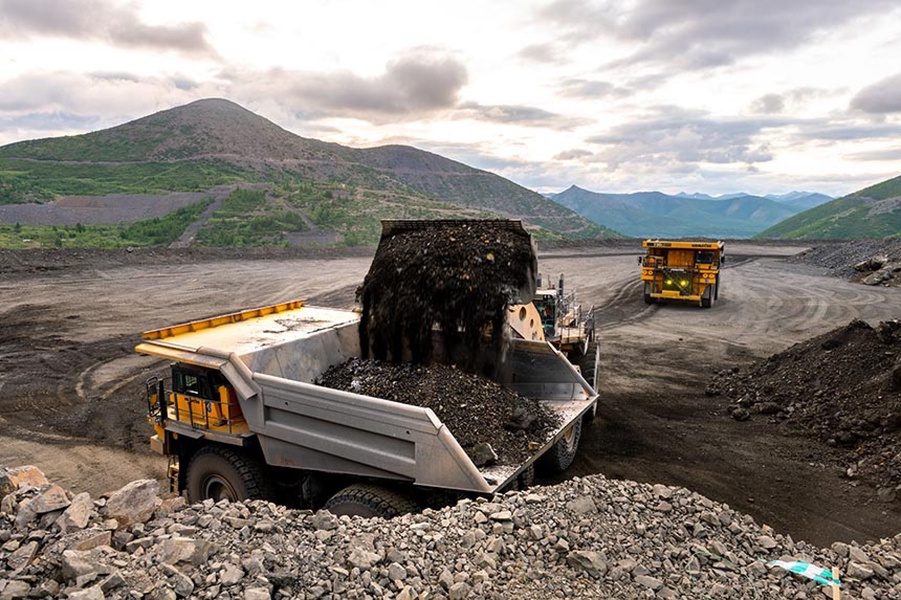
(658, 426)
(70, 383)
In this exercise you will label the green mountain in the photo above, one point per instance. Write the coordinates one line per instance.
(655, 214)
(310, 184)
(873, 212)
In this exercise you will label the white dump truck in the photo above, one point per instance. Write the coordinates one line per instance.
(240, 415)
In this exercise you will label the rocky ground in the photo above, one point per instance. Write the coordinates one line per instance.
(587, 538)
(871, 262)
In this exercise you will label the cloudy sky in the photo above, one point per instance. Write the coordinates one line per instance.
(714, 96)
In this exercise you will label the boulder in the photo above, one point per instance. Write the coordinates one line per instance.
(52, 498)
(77, 514)
(179, 550)
(78, 563)
(14, 478)
(589, 561)
(133, 503)
(23, 556)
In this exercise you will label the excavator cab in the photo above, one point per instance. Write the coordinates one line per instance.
(546, 305)
(565, 324)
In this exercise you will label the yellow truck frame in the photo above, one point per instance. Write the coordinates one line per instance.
(686, 271)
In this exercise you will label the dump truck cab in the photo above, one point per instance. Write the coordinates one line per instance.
(685, 271)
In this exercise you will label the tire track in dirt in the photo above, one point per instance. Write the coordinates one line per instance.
(656, 425)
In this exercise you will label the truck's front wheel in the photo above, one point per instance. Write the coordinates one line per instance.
(366, 500)
(223, 473)
(708, 297)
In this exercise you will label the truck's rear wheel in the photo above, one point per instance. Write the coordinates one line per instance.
(220, 473)
(563, 453)
(526, 479)
(368, 500)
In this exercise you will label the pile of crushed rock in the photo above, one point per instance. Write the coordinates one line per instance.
(492, 423)
(843, 386)
(586, 538)
(871, 262)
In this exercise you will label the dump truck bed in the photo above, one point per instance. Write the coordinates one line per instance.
(273, 355)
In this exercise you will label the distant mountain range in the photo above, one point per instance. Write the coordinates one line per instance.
(797, 200)
(873, 212)
(287, 188)
(312, 184)
(655, 214)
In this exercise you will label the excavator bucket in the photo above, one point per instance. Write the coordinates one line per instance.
(454, 276)
(523, 268)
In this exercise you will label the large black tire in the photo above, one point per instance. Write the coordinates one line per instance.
(562, 454)
(716, 288)
(368, 500)
(709, 295)
(219, 472)
(648, 299)
(588, 365)
(526, 479)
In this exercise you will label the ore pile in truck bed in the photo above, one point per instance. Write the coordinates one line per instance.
(843, 387)
(474, 409)
(458, 275)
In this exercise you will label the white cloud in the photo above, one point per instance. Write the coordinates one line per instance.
(98, 20)
(413, 85)
(881, 97)
(607, 94)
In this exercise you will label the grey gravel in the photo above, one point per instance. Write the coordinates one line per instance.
(586, 538)
(871, 262)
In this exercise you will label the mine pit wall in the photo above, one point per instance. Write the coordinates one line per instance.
(307, 426)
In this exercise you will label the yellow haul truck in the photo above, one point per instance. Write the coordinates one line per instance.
(240, 415)
(682, 270)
